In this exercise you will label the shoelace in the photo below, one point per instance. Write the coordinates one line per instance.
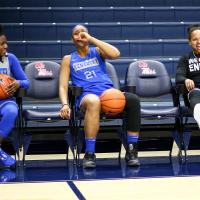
(132, 151)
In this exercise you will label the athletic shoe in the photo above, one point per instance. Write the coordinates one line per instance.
(7, 175)
(6, 160)
(89, 160)
(131, 156)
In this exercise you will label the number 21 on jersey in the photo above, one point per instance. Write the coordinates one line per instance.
(90, 74)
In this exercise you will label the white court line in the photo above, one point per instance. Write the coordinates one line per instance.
(107, 155)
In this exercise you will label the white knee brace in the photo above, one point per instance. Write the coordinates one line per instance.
(197, 113)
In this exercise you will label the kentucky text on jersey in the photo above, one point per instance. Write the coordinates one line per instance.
(194, 64)
(85, 64)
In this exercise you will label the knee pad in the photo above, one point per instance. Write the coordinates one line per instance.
(196, 113)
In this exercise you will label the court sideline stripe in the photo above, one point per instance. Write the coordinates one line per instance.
(76, 191)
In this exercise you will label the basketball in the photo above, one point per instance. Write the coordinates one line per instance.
(5, 80)
(112, 101)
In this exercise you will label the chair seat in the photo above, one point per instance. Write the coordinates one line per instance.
(162, 112)
(41, 115)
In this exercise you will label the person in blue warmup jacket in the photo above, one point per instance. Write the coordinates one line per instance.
(9, 64)
(86, 67)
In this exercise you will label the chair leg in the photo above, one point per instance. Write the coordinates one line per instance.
(185, 135)
(15, 144)
(123, 137)
(79, 143)
(120, 151)
(16, 139)
(26, 142)
(186, 140)
(67, 155)
(68, 138)
(177, 138)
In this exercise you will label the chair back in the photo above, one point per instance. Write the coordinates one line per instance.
(44, 79)
(113, 75)
(150, 78)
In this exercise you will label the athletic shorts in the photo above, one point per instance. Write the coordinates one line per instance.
(96, 90)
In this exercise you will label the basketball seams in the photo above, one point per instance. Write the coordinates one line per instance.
(112, 101)
(5, 80)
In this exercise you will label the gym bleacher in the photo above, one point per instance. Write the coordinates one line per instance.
(141, 29)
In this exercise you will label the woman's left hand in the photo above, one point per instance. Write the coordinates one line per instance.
(13, 87)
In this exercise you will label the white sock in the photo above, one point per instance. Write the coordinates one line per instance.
(197, 113)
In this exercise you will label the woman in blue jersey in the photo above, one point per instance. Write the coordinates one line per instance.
(86, 68)
(9, 65)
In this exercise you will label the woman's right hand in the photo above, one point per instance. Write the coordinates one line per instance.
(65, 112)
(85, 37)
(189, 84)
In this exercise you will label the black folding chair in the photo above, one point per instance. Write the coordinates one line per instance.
(43, 106)
(159, 100)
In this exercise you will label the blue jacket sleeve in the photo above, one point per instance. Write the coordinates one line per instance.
(17, 71)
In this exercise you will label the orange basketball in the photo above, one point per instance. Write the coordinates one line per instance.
(112, 101)
(5, 80)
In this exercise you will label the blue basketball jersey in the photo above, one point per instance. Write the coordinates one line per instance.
(10, 65)
(89, 72)
(5, 66)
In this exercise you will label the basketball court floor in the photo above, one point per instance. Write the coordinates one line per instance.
(50, 177)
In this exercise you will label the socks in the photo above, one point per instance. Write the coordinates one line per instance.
(90, 145)
(197, 113)
(132, 138)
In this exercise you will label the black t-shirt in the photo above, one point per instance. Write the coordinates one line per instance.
(189, 68)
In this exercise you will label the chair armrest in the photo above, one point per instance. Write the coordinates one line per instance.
(182, 90)
(176, 90)
(130, 88)
(21, 92)
(18, 96)
(75, 90)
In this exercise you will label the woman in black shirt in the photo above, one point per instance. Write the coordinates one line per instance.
(188, 71)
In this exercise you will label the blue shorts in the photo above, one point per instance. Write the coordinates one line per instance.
(7, 101)
(97, 90)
